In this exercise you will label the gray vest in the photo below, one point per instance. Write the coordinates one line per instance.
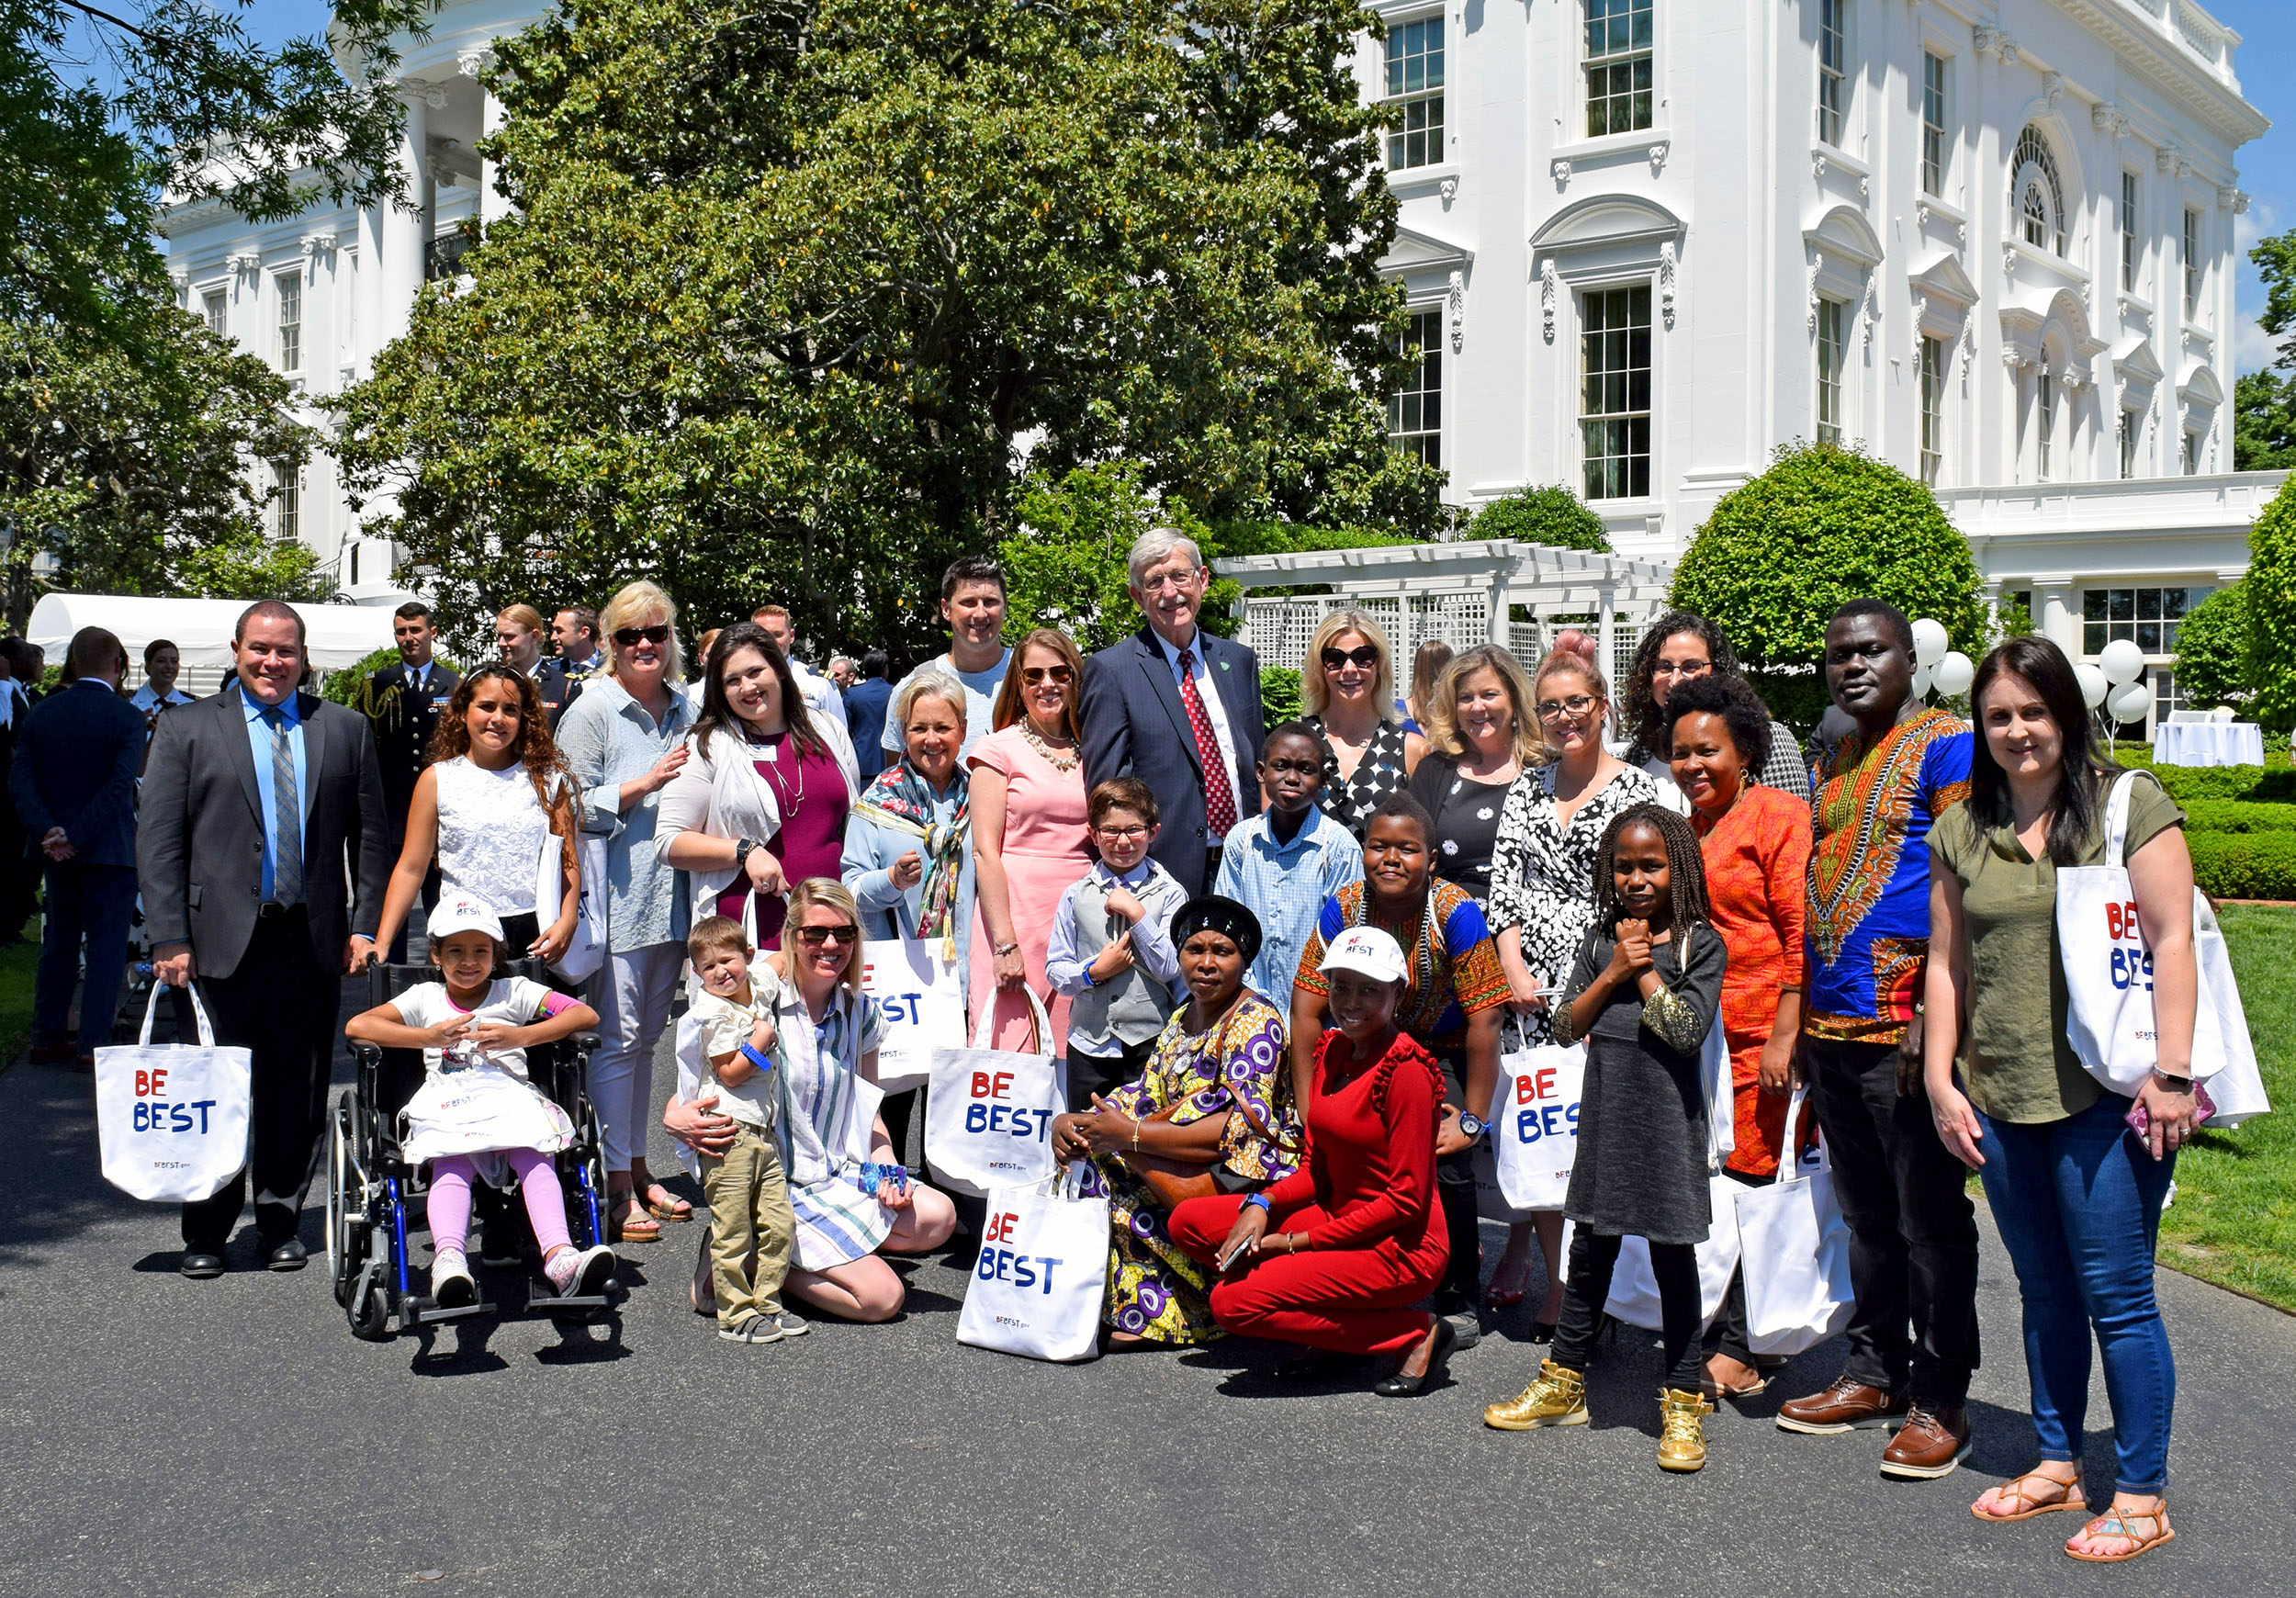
(1129, 1007)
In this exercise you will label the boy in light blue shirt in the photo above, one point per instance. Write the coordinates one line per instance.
(1285, 861)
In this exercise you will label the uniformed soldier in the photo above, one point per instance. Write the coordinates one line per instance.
(403, 703)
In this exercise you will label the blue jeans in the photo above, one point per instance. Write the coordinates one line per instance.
(2078, 1204)
(90, 905)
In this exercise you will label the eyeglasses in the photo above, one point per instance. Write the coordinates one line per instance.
(1176, 581)
(1122, 834)
(1363, 656)
(630, 637)
(1682, 667)
(815, 936)
(1032, 675)
(1577, 705)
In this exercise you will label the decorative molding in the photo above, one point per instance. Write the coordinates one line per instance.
(1455, 300)
(2051, 90)
(1658, 153)
(244, 261)
(2229, 198)
(1813, 295)
(1449, 188)
(1548, 286)
(1561, 171)
(2169, 158)
(2107, 117)
(431, 95)
(2008, 262)
(2013, 360)
(2009, 51)
(473, 64)
(1968, 350)
(316, 244)
(1667, 269)
(1817, 163)
(1920, 315)
(1870, 308)
(1985, 39)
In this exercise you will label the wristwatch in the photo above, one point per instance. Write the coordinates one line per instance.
(741, 853)
(1260, 1202)
(1471, 1124)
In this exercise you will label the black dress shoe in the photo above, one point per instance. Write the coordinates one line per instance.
(290, 1255)
(1401, 1386)
(199, 1267)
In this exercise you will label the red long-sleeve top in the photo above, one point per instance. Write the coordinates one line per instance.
(1369, 1173)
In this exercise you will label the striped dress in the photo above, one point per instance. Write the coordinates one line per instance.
(828, 1113)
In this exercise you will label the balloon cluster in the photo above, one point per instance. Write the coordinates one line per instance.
(2114, 681)
(1938, 665)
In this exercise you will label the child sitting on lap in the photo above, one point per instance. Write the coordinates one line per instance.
(476, 1114)
(749, 1210)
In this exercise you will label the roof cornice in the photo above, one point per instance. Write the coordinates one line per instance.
(2170, 69)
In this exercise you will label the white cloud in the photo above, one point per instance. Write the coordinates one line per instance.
(2252, 349)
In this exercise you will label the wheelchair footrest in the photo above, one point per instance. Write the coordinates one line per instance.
(580, 1301)
(424, 1312)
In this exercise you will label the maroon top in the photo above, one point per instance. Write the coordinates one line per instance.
(814, 802)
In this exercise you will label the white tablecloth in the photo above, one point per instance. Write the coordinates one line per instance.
(2208, 743)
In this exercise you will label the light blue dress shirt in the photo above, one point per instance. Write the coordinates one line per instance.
(1285, 886)
(259, 744)
(1158, 893)
(608, 738)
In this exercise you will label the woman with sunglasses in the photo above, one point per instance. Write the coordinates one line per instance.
(1681, 646)
(763, 800)
(1348, 690)
(495, 792)
(624, 740)
(1029, 835)
(850, 1193)
(1542, 892)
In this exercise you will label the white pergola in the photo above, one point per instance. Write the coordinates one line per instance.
(1464, 593)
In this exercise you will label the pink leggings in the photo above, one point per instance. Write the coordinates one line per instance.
(451, 1175)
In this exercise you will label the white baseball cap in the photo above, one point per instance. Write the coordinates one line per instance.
(461, 913)
(1369, 951)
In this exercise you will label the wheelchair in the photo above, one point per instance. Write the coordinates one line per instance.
(371, 1187)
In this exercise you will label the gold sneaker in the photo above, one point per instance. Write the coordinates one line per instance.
(1556, 1399)
(1682, 1440)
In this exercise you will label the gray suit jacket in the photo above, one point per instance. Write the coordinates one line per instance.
(199, 831)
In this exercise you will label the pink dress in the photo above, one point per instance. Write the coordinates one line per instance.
(1046, 848)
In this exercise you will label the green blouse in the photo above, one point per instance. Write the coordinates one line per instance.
(2015, 1063)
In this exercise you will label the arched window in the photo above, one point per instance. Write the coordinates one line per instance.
(2037, 193)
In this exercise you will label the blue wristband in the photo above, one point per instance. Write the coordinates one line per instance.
(1259, 1201)
(761, 1061)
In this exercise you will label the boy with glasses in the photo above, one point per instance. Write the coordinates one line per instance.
(1110, 948)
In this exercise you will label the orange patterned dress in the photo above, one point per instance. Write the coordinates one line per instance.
(1757, 859)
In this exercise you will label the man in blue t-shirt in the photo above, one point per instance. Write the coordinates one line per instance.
(972, 603)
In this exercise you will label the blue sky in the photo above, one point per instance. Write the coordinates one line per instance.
(2267, 168)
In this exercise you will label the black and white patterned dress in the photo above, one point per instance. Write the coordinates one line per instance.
(1351, 800)
(1542, 873)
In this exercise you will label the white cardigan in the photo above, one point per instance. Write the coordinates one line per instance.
(720, 794)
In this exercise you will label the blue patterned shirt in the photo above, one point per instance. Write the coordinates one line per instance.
(1285, 886)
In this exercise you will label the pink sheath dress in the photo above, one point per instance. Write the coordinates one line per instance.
(1046, 848)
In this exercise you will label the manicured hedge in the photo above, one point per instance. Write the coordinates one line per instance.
(2238, 816)
(2244, 865)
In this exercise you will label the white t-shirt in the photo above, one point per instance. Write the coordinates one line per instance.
(513, 1001)
(980, 702)
(726, 1027)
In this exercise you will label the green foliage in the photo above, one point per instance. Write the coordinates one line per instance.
(344, 686)
(2244, 865)
(2011, 619)
(2275, 259)
(788, 283)
(1553, 516)
(1822, 526)
(2270, 590)
(1795, 698)
(2213, 651)
(1279, 694)
(2238, 816)
(2264, 421)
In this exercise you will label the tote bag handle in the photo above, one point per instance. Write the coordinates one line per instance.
(207, 1032)
(1040, 1023)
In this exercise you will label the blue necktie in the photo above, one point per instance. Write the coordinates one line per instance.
(287, 812)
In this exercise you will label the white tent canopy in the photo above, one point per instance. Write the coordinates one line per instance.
(339, 635)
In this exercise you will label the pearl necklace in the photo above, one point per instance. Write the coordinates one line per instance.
(1059, 759)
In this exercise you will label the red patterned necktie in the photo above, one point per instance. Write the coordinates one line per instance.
(1219, 797)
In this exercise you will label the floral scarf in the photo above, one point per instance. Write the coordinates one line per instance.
(902, 800)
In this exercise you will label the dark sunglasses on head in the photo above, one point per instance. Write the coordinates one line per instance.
(1364, 656)
(630, 637)
(1035, 675)
(815, 936)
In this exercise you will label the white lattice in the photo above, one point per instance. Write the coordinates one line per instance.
(1524, 641)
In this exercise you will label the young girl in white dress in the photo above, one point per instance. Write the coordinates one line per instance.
(475, 1113)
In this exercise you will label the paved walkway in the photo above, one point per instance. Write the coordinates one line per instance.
(231, 1437)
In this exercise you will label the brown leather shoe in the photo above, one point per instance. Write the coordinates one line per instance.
(1929, 1444)
(1845, 1406)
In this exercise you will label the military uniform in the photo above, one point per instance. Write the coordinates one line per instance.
(404, 714)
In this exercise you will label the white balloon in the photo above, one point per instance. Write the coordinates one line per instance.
(1954, 674)
(2094, 684)
(2123, 661)
(2131, 700)
(1930, 642)
(1921, 682)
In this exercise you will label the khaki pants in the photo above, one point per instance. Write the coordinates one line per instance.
(748, 1210)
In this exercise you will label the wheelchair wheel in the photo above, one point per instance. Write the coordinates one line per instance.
(369, 1308)
(346, 1217)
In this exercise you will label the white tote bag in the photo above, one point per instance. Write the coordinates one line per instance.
(1535, 1123)
(1042, 1275)
(1794, 1248)
(1634, 1290)
(2108, 1017)
(988, 1121)
(586, 951)
(172, 1122)
(916, 991)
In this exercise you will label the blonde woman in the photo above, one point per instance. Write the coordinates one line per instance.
(1348, 690)
(1481, 738)
(624, 740)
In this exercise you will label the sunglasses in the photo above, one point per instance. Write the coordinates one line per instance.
(1577, 705)
(1363, 656)
(1032, 675)
(631, 637)
(815, 936)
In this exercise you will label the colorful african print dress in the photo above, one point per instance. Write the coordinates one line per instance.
(1237, 1069)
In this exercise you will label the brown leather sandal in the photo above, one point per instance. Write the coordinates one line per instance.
(2115, 1524)
(2028, 1504)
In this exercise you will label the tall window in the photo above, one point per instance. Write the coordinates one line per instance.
(2128, 233)
(286, 508)
(2126, 440)
(1833, 69)
(2148, 617)
(1414, 87)
(1933, 124)
(1932, 408)
(2188, 454)
(1415, 411)
(1615, 392)
(2037, 193)
(2045, 422)
(218, 311)
(1618, 66)
(290, 321)
(1830, 316)
(2192, 263)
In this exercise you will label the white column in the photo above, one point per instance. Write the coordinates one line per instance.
(321, 276)
(405, 232)
(2054, 616)
(475, 63)
(363, 337)
(1608, 641)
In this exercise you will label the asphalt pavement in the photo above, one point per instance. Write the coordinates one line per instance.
(168, 1437)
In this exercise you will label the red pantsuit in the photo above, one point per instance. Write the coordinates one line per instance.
(1364, 1199)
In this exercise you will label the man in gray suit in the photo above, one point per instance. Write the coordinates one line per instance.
(1178, 708)
(262, 846)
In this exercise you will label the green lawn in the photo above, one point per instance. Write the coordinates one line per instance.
(17, 966)
(2235, 1219)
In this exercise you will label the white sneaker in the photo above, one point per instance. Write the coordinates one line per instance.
(581, 1273)
(451, 1284)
